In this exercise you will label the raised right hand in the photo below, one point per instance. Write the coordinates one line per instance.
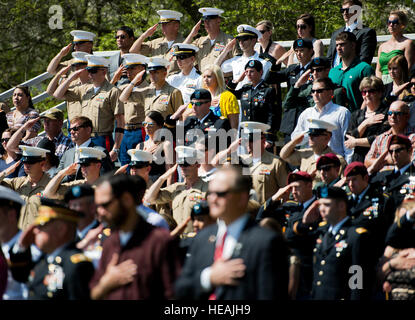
(65, 50)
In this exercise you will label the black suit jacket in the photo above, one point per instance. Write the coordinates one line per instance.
(264, 253)
(366, 44)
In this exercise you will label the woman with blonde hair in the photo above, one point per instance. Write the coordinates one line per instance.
(398, 44)
(398, 88)
(224, 102)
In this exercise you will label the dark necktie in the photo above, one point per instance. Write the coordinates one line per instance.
(327, 240)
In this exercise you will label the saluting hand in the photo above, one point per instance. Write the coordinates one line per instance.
(65, 50)
(150, 31)
(63, 71)
(121, 170)
(117, 75)
(180, 228)
(70, 170)
(12, 168)
(27, 238)
(303, 79)
(312, 213)
(195, 29)
(138, 78)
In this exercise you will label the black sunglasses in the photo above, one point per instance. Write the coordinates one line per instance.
(365, 92)
(120, 37)
(396, 21)
(301, 26)
(316, 134)
(5, 139)
(317, 69)
(396, 113)
(218, 194)
(344, 10)
(318, 90)
(199, 103)
(183, 57)
(77, 128)
(411, 84)
(244, 38)
(397, 150)
(93, 71)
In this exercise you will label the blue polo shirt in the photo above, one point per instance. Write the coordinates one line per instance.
(350, 80)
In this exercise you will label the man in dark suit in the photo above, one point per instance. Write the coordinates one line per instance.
(234, 259)
(81, 129)
(366, 37)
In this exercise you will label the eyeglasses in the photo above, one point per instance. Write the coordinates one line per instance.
(182, 57)
(344, 10)
(149, 124)
(396, 113)
(106, 204)
(5, 140)
(319, 90)
(199, 103)
(218, 193)
(395, 21)
(120, 37)
(369, 91)
(244, 38)
(317, 69)
(93, 71)
(397, 150)
(301, 26)
(77, 128)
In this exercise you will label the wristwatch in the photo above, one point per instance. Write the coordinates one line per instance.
(116, 150)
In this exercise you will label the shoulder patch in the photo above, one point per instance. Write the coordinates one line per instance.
(322, 223)
(79, 257)
(361, 230)
(291, 202)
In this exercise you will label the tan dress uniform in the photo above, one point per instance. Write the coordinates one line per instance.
(306, 159)
(160, 47)
(166, 102)
(134, 111)
(208, 53)
(74, 108)
(63, 187)
(183, 199)
(268, 176)
(31, 195)
(101, 107)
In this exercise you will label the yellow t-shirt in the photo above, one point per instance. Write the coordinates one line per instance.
(228, 104)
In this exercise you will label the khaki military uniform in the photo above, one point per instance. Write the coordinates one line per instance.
(182, 199)
(64, 187)
(268, 176)
(101, 107)
(306, 159)
(208, 53)
(166, 102)
(74, 108)
(134, 111)
(30, 194)
(160, 47)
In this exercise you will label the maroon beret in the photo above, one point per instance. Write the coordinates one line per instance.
(299, 175)
(355, 168)
(399, 139)
(328, 158)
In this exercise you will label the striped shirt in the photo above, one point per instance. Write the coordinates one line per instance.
(62, 143)
(380, 145)
(15, 123)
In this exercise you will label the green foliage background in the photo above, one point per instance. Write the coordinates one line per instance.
(28, 44)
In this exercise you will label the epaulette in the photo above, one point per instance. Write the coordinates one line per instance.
(386, 195)
(79, 257)
(322, 223)
(349, 193)
(360, 230)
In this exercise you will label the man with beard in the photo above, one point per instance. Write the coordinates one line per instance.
(132, 245)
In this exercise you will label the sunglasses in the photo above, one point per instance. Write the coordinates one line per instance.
(199, 103)
(411, 84)
(183, 57)
(317, 69)
(218, 194)
(344, 10)
(5, 139)
(370, 91)
(396, 21)
(149, 124)
(396, 113)
(93, 71)
(397, 150)
(312, 135)
(77, 128)
(120, 37)
(31, 161)
(301, 26)
(241, 39)
(318, 90)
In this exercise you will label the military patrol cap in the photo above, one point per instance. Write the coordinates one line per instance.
(201, 94)
(299, 176)
(53, 114)
(210, 13)
(80, 191)
(169, 15)
(200, 209)
(245, 30)
(184, 50)
(327, 160)
(88, 155)
(7, 194)
(82, 36)
(51, 209)
(140, 158)
(303, 43)
(355, 168)
(255, 64)
(320, 126)
(332, 193)
(320, 62)
(156, 63)
(96, 62)
(33, 154)
(188, 155)
(400, 139)
(79, 58)
(134, 59)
